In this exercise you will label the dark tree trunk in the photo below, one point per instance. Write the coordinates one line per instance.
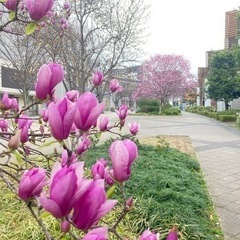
(226, 105)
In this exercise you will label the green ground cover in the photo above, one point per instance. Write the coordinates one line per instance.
(168, 187)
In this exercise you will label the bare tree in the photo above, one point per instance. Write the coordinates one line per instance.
(102, 35)
(128, 78)
(24, 56)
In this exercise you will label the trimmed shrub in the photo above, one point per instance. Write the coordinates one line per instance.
(238, 119)
(227, 118)
(148, 106)
(213, 115)
(172, 111)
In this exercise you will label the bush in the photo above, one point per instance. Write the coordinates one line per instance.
(227, 118)
(172, 111)
(166, 107)
(213, 115)
(148, 106)
(200, 109)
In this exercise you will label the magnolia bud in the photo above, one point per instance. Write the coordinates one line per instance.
(173, 235)
(14, 142)
(65, 226)
(129, 203)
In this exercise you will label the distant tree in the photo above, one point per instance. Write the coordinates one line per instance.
(164, 77)
(223, 79)
(24, 56)
(101, 35)
(128, 80)
(191, 96)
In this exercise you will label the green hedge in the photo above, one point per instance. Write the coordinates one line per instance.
(172, 111)
(148, 105)
(213, 115)
(227, 118)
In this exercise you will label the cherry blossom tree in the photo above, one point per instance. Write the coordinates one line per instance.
(164, 77)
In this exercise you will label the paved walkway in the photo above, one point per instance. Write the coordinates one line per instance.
(218, 150)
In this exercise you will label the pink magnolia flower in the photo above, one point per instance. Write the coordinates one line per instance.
(134, 128)
(60, 118)
(24, 123)
(11, 5)
(32, 183)
(3, 125)
(48, 77)
(98, 170)
(66, 5)
(114, 86)
(7, 103)
(88, 110)
(129, 203)
(97, 78)
(15, 141)
(103, 161)
(122, 154)
(64, 189)
(84, 144)
(148, 235)
(100, 233)
(103, 123)
(72, 95)
(67, 160)
(44, 115)
(91, 206)
(173, 235)
(109, 176)
(38, 9)
(65, 226)
(15, 106)
(122, 112)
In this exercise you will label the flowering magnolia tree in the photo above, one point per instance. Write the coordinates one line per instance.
(165, 77)
(55, 180)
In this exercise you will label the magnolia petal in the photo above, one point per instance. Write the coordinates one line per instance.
(55, 121)
(43, 81)
(51, 206)
(120, 161)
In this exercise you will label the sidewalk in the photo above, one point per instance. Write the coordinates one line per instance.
(217, 147)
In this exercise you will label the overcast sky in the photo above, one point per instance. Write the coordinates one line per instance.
(188, 27)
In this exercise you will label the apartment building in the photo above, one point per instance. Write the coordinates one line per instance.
(231, 29)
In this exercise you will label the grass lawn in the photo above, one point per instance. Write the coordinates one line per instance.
(168, 188)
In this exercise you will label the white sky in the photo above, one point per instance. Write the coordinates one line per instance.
(188, 27)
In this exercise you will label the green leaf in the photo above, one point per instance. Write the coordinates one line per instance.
(31, 28)
(12, 15)
(45, 215)
(47, 144)
(111, 191)
(18, 156)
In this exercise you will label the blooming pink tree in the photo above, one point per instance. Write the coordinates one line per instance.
(164, 77)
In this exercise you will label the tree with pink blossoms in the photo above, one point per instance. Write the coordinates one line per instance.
(164, 77)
